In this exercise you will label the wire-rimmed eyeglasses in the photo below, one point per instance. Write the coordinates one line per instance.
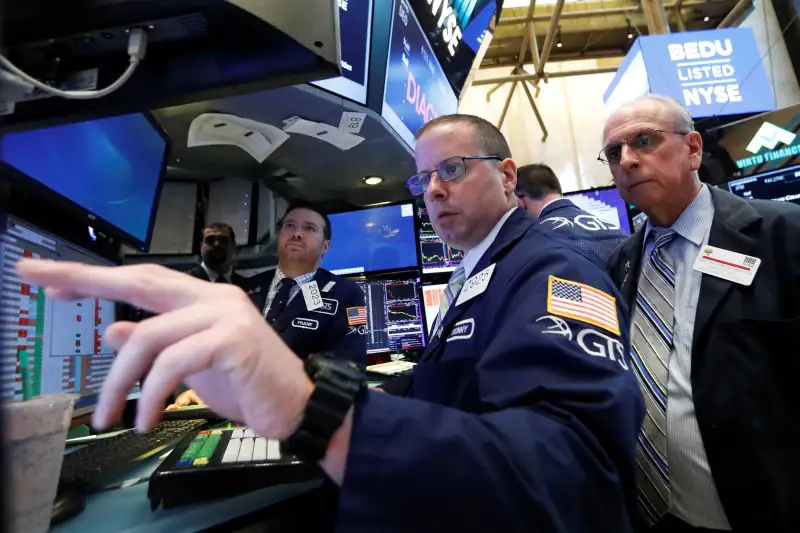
(641, 141)
(448, 170)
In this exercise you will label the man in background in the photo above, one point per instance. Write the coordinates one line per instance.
(217, 250)
(712, 282)
(539, 193)
(338, 325)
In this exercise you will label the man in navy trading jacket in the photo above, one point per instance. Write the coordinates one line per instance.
(521, 416)
(330, 323)
(539, 193)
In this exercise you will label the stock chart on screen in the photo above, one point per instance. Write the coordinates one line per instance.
(394, 318)
(436, 255)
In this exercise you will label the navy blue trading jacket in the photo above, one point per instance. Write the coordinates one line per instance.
(522, 415)
(586, 231)
(326, 329)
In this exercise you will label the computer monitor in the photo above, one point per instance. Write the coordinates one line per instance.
(394, 317)
(50, 346)
(373, 240)
(436, 255)
(781, 185)
(107, 171)
(432, 296)
(605, 203)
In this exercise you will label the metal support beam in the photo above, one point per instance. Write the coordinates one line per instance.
(655, 16)
(492, 91)
(734, 14)
(534, 48)
(550, 37)
(535, 110)
(505, 107)
(536, 77)
(574, 14)
(526, 34)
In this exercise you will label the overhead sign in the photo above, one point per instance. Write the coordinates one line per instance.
(769, 136)
(712, 73)
(416, 87)
(454, 29)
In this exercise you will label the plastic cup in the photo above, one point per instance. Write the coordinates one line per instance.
(34, 436)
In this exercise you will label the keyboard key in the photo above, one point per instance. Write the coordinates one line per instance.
(246, 451)
(273, 450)
(248, 433)
(200, 461)
(237, 434)
(216, 432)
(260, 449)
(232, 451)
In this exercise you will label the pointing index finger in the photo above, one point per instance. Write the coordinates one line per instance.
(151, 287)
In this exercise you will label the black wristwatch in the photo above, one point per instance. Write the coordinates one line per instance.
(337, 385)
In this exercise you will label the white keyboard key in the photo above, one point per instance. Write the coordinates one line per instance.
(237, 434)
(232, 451)
(246, 451)
(249, 434)
(273, 450)
(260, 449)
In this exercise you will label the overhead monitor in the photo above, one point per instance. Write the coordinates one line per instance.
(394, 317)
(107, 171)
(416, 89)
(780, 185)
(455, 29)
(436, 255)
(432, 297)
(355, 30)
(373, 240)
(606, 204)
(51, 346)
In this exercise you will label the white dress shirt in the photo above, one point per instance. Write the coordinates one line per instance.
(694, 497)
(213, 276)
(472, 257)
(275, 286)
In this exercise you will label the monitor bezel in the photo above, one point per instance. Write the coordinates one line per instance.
(73, 208)
(417, 267)
(606, 188)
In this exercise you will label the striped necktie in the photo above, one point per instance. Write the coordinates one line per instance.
(651, 345)
(449, 295)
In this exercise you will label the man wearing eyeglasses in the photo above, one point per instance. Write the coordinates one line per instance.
(712, 283)
(506, 422)
(217, 249)
(539, 193)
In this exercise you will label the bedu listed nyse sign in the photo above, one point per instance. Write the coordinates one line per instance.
(706, 72)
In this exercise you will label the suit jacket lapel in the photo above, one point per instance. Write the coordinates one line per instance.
(732, 215)
(630, 265)
(298, 304)
(259, 292)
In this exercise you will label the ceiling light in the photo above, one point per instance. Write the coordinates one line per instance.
(706, 19)
(373, 180)
(558, 44)
(630, 36)
(558, 38)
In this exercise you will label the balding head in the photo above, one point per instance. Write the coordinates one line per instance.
(654, 153)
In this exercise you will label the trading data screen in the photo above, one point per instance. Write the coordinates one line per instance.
(606, 204)
(49, 346)
(780, 185)
(436, 255)
(432, 296)
(394, 317)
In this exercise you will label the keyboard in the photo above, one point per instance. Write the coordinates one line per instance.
(191, 412)
(222, 463)
(106, 458)
(393, 368)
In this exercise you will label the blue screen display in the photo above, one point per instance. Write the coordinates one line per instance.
(381, 238)
(417, 89)
(110, 167)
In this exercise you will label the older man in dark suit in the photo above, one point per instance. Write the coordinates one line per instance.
(712, 283)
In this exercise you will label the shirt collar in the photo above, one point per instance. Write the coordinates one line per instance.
(695, 220)
(474, 255)
(301, 280)
(213, 276)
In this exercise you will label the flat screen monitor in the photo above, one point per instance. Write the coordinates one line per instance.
(432, 296)
(51, 346)
(605, 203)
(107, 170)
(416, 88)
(355, 29)
(394, 317)
(373, 240)
(780, 185)
(436, 255)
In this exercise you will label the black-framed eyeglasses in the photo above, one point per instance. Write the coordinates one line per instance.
(448, 170)
(641, 141)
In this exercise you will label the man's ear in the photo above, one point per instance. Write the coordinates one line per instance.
(326, 245)
(695, 143)
(509, 169)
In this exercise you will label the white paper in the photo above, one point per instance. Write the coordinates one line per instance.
(256, 138)
(324, 132)
(312, 295)
(475, 285)
(351, 122)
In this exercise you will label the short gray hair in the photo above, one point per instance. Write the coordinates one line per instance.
(682, 118)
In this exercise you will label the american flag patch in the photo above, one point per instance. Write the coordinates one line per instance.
(582, 302)
(356, 316)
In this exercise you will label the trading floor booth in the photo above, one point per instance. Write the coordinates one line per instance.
(235, 109)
